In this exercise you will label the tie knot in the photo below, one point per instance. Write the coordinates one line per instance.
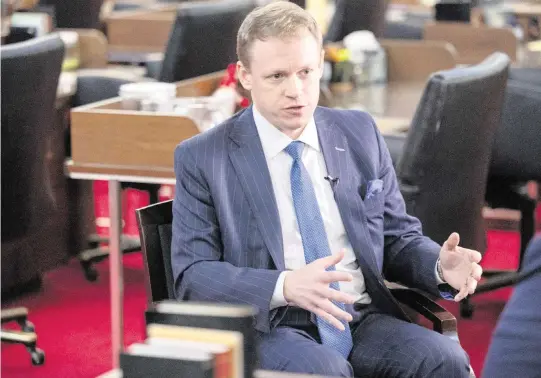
(294, 149)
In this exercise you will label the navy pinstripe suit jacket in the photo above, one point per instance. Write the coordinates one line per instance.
(227, 240)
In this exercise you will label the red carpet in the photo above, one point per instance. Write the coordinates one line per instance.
(71, 315)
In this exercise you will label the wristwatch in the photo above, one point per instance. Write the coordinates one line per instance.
(440, 270)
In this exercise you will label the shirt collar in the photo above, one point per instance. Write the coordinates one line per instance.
(274, 141)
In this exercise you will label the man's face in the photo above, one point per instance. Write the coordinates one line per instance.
(283, 78)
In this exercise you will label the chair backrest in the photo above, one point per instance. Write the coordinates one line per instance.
(76, 13)
(516, 154)
(30, 74)
(353, 15)
(444, 166)
(203, 38)
(155, 230)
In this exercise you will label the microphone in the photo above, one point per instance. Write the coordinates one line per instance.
(332, 180)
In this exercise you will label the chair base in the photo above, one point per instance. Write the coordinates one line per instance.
(97, 253)
(27, 336)
(497, 279)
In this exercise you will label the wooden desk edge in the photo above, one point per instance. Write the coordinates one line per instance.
(150, 175)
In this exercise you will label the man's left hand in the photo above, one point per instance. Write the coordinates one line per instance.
(460, 267)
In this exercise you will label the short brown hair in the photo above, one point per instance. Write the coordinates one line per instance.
(280, 19)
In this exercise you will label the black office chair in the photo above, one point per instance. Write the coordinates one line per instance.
(443, 162)
(155, 230)
(353, 15)
(530, 76)
(30, 74)
(202, 40)
(516, 159)
(92, 86)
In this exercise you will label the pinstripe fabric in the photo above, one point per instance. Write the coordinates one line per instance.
(384, 346)
(227, 241)
(227, 245)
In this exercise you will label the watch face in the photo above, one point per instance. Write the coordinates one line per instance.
(447, 291)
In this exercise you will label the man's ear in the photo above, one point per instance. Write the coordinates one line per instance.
(245, 77)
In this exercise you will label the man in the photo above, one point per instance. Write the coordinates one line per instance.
(295, 210)
(516, 344)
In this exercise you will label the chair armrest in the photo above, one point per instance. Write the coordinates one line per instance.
(13, 314)
(442, 320)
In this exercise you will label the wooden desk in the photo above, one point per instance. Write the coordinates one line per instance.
(133, 35)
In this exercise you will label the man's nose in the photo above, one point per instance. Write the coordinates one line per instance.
(293, 87)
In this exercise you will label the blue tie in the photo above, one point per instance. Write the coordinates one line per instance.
(314, 241)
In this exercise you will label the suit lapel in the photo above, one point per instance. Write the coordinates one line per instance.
(339, 164)
(248, 159)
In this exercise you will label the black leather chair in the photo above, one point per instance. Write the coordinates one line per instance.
(30, 74)
(353, 15)
(442, 164)
(202, 40)
(155, 230)
(530, 76)
(516, 159)
(92, 86)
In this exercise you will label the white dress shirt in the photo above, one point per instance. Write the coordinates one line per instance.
(279, 163)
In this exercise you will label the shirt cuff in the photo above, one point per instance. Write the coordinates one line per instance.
(278, 299)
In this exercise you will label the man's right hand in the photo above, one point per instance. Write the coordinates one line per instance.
(309, 289)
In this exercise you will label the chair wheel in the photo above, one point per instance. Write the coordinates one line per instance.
(91, 274)
(38, 357)
(28, 327)
(466, 309)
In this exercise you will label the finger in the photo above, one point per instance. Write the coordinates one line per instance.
(476, 272)
(462, 293)
(337, 296)
(474, 256)
(332, 309)
(327, 317)
(335, 276)
(452, 241)
(332, 259)
(472, 285)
